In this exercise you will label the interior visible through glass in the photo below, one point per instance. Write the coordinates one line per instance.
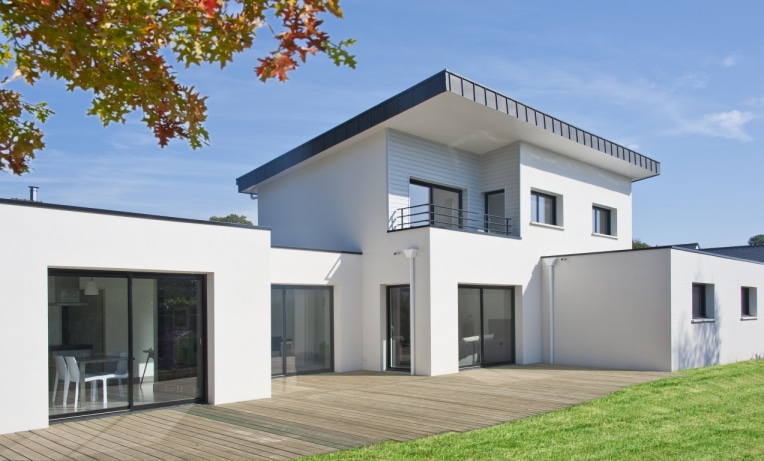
(399, 327)
(301, 330)
(486, 326)
(91, 366)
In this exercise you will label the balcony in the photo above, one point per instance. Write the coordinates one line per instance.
(431, 215)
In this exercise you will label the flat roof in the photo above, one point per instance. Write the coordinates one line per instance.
(548, 129)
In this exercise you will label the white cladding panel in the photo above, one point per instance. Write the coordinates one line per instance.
(729, 337)
(410, 157)
(238, 294)
(342, 272)
(501, 170)
(610, 310)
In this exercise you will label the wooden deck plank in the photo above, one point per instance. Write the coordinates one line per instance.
(78, 445)
(324, 412)
(216, 440)
(17, 449)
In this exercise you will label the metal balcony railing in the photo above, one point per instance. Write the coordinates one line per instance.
(431, 215)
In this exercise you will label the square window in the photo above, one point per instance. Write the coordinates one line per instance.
(702, 299)
(543, 208)
(602, 220)
(748, 307)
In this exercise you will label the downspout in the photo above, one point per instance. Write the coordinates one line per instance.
(550, 264)
(411, 255)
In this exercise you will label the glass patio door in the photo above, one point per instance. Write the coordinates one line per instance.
(88, 343)
(119, 341)
(301, 330)
(167, 339)
(486, 326)
(398, 328)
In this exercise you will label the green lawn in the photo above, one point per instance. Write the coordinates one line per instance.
(709, 413)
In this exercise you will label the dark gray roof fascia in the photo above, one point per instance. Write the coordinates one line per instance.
(443, 81)
(748, 252)
(124, 214)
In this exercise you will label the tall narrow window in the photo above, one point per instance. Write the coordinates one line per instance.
(601, 221)
(495, 218)
(543, 208)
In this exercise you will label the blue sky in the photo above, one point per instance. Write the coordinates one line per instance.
(678, 81)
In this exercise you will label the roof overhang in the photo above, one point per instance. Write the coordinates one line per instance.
(459, 113)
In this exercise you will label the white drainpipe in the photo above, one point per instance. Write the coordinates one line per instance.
(411, 254)
(550, 264)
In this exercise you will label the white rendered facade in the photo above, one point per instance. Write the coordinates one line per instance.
(633, 309)
(237, 293)
(352, 193)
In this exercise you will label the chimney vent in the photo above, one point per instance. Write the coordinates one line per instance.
(33, 193)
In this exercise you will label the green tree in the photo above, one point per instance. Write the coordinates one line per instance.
(756, 240)
(232, 218)
(637, 244)
(123, 50)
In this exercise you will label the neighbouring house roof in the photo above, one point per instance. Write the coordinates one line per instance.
(460, 113)
(750, 252)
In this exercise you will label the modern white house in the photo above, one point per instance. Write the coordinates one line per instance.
(448, 227)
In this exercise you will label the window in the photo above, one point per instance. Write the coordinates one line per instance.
(602, 221)
(432, 205)
(748, 306)
(702, 297)
(495, 219)
(543, 208)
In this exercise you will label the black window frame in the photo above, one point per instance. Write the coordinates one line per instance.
(701, 309)
(597, 221)
(535, 207)
(748, 307)
(430, 201)
(491, 226)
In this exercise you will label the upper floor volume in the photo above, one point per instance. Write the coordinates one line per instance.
(459, 113)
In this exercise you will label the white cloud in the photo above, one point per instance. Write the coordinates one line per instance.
(721, 124)
(730, 61)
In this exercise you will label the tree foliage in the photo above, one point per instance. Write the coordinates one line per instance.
(232, 218)
(756, 240)
(637, 244)
(123, 50)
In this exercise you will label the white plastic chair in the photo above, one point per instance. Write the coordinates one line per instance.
(121, 372)
(76, 376)
(62, 374)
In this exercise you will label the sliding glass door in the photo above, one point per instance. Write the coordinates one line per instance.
(123, 340)
(167, 338)
(301, 330)
(486, 325)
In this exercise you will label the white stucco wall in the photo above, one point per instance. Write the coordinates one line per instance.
(342, 272)
(330, 202)
(578, 186)
(238, 294)
(611, 310)
(729, 337)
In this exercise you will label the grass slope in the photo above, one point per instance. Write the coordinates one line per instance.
(709, 413)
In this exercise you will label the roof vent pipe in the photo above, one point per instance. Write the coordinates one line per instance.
(33, 193)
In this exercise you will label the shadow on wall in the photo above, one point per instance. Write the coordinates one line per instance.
(700, 345)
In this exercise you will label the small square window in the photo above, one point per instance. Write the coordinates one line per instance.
(702, 301)
(543, 208)
(602, 221)
(748, 307)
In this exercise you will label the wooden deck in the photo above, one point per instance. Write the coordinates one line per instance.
(323, 413)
